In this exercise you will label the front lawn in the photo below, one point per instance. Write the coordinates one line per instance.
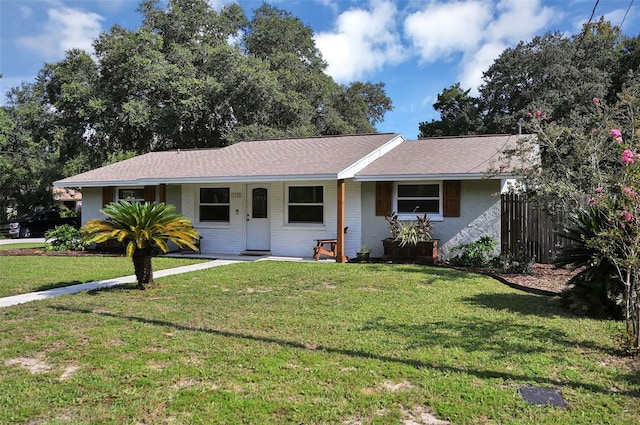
(22, 274)
(310, 343)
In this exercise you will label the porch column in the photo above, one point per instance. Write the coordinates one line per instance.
(340, 257)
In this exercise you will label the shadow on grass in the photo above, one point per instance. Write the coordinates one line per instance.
(55, 285)
(521, 303)
(503, 338)
(482, 374)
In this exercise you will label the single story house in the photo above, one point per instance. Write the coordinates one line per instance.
(279, 196)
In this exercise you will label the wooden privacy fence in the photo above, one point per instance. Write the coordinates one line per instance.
(527, 228)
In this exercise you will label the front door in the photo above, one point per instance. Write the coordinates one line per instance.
(258, 222)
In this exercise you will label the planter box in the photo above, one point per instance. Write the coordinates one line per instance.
(424, 252)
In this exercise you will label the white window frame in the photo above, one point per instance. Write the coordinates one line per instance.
(410, 215)
(322, 204)
(211, 223)
(118, 198)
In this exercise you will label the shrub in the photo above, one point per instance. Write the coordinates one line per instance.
(480, 253)
(519, 261)
(64, 238)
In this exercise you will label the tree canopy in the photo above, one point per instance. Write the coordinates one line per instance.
(189, 77)
(554, 73)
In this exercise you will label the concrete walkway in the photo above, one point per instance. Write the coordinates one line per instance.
(23, 240)
(90, 286)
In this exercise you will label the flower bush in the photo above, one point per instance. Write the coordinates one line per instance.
(615, 241)
(591, 171)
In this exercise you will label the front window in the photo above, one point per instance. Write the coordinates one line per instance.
(419, 199)
(131, 194)
(214, 204)
(306, 204)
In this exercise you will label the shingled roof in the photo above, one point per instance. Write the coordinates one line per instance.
(438, 158)
(284, 159)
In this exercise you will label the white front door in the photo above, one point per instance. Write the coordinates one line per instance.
(258, 222)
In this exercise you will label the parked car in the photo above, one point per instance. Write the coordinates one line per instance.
(38, 222)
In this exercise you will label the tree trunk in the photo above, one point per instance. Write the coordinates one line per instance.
(142, 265)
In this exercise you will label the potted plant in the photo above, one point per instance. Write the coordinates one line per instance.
(411, 241)
(362, 256)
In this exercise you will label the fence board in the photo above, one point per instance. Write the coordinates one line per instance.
(525, 227)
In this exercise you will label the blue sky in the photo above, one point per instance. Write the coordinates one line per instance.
(416, 47)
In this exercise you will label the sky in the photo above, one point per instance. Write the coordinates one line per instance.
(415, 47)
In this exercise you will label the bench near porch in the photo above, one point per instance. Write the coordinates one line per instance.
(326, 247)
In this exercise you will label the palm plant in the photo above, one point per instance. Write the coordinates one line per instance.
(595, 287)
(146, 227)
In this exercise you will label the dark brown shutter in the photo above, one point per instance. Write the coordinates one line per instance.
(149, 193)
(162, 196)
(107, 196)
(451, 198)
(384, 197)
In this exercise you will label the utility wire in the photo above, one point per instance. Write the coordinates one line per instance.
(625, 15)
(584, 32)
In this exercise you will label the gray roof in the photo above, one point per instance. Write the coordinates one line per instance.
(439, 157)
(285, 159)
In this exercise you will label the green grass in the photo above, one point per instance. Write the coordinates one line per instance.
(310, 343)
(21, 245)
(22, 274)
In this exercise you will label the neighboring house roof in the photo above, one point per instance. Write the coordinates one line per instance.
(312, 158)
(66, 195)
(462, 157)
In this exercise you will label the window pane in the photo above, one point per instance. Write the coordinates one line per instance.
(130, 194)
(259, 203)
(214, 213)
(419, 206)
(418, 191)
(306, 214)
(305, 195)
(214, 195)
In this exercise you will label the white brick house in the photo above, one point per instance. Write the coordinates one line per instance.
(278, 196)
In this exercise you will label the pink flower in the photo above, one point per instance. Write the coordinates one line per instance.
(618, 139)
(627, 157)
(592, 201)
(626, 216)
(529, 115)
(599, 189)
(596, 100)
(629, 192)
(538, 113)
(615, 133)
(544, 117)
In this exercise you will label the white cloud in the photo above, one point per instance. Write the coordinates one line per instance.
(361, 42)
(478, 30)
(65, 28)
(477, 63)
(25, 12)
(518, 20)
(442, 29)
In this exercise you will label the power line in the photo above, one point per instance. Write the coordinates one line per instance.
(625, 14)
(584, 32)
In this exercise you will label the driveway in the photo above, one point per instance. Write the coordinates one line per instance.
(22, 240)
